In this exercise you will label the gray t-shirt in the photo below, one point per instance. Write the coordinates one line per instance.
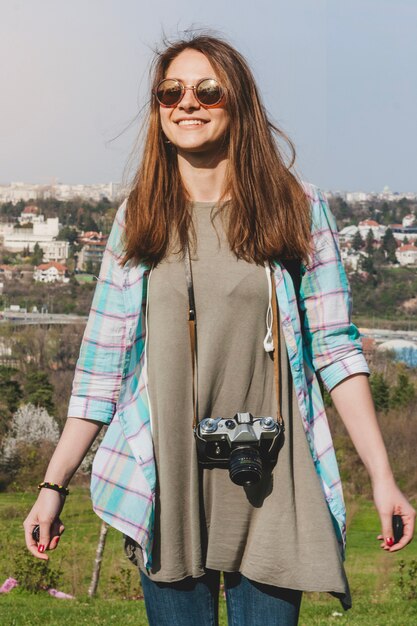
(277, 532)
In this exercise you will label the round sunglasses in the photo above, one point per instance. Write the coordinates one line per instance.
(207, 91)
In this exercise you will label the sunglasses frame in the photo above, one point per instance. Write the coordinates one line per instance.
(184, 88)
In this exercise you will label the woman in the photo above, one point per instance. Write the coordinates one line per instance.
(215, 213)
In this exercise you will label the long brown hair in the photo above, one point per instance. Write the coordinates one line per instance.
(268, 216)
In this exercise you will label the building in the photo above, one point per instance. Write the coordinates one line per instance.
(351, 258)
(34, 229)
(378, 230)
(55, 250)
(50, 273)
(357, 196)
(409, 220)
(347, 233)
(368, 347)
(29, 215)
(407, 254)
(91, 253)
(400, 232)
(31, 192)
(8, 272)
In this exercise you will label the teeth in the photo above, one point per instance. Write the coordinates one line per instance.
(190, 123)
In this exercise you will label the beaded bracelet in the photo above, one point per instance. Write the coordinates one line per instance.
(60, 488)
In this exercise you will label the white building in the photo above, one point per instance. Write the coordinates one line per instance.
(43, 232)
(347, 233)
(6, 228)
(407, 255)
(22, 191)
(408, 220)
(29, 214)
(55, 250)
(378, 230)
(357, 196)
(50, 273)
(351, 258)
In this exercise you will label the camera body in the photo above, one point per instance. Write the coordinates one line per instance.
(242, 443)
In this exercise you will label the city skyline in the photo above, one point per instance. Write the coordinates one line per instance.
(338, 78)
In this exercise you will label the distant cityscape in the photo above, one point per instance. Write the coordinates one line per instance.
(16, 191)
(363, 197)
(32, 236)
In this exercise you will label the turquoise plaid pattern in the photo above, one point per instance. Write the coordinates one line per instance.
(110, 381)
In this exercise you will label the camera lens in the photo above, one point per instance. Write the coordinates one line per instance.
(245, 465)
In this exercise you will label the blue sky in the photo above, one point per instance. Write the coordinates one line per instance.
(338, 76)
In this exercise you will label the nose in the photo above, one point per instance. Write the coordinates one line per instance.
(189, 101)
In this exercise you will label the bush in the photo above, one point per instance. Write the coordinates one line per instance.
(380, 391)
(34, 574)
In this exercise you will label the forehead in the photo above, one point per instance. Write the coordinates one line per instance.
(189, 66)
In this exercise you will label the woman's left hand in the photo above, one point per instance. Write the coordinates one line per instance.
(389, 501)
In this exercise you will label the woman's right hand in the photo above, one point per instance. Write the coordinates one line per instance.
(45, 512)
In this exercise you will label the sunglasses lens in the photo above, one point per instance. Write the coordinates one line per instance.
(209, 92)
(169, 92)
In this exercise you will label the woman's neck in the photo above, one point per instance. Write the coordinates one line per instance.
(203, 178)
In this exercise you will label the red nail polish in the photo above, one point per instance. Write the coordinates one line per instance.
(389, 541)
(41, 548)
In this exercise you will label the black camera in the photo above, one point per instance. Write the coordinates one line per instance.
(242, 443)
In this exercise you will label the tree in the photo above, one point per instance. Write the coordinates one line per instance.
(38, 390)
(404, 391)
(389, 245)
(380, 391)
(37, 255)
(367, 264)
(99, 557)
(369, 242)
(30, 424)
(405, 241)
(357, 241)
(10, 390)
(10, 396)
(68, 234)
(26, 449)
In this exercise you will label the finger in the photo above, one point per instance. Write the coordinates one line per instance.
(54, 542)
(31, 543)
(56, 532)
(387, 531)
(44, 536)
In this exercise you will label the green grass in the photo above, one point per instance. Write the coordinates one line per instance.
(84, 278)
(372, 574)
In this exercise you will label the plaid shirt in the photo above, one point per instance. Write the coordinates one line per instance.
(110, 382)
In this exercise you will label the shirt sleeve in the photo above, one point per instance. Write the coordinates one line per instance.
(325, 297)
(99, 367)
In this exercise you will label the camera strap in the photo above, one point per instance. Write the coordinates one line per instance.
(192, 327)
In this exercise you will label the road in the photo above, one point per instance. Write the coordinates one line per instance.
(21, 318)
(381, 335)
(17, 317)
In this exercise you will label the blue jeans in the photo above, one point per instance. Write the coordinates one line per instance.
(194, 602)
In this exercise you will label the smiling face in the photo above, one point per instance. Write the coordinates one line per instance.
(190, 126)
